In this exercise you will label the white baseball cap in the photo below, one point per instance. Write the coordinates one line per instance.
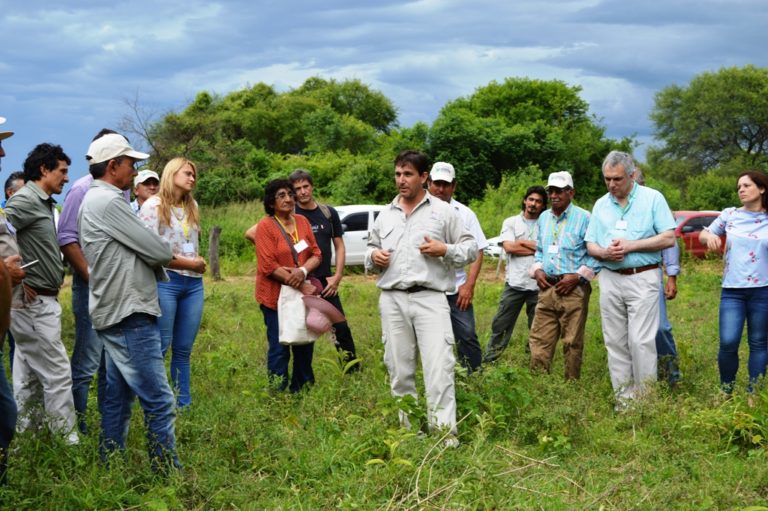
(442, 171)
(4, 134)
(111, 146)
(560, 180)
(143, 175)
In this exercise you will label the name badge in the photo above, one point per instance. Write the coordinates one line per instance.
(621, 225)
(300, 246)
(553, 249)
(188, 249)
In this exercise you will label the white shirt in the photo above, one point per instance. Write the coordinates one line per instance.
(518, 228)
(472, 224)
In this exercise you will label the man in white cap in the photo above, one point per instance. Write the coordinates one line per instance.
(630, 226)
(125, 259)
(563, 271)
(416, 243)
(41, 372)
(145, 185)
(87, 354)
(442, 184)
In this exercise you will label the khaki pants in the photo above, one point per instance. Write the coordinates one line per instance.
(560, 316)
(41, 371)
(420, 320)
(629, 308)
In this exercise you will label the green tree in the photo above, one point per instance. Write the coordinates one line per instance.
(505, 200)
(718, 119)
(244, 138)
(506, 127)
(711, 191)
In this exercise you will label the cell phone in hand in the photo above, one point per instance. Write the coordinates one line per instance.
(31, 263)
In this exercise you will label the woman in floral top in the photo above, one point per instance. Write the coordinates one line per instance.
(173, 214)
(744, 295)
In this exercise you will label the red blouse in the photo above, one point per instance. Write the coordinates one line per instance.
(273, 252)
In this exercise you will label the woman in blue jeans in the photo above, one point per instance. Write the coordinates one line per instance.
(744, 296)
(174, 215)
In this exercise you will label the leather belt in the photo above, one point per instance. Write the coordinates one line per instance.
(44, 292)
(639, 269)
(554, 279)
(416, 289)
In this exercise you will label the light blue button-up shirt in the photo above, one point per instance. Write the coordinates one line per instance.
(645, 215)
(565, 232)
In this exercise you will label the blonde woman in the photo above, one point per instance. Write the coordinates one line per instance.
(174, 215)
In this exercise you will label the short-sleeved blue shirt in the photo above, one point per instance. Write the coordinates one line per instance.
(646, 215)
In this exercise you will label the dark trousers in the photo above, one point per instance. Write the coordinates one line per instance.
(278, 356)
(7, 419)
(467, 343)
(344, 342)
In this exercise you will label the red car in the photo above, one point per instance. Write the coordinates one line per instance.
(689, 225)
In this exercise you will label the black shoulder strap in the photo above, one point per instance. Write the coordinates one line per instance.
(327, 214)
(288, 240)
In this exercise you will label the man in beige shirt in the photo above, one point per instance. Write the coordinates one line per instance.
(416, 244)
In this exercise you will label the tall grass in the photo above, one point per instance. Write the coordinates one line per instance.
(528, 441)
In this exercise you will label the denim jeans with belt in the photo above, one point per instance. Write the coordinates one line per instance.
(87, 355)
(135, 368)
(181, 303)
(738, 305)
(279, 354)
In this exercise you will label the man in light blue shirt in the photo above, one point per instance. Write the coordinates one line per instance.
(630, 226)
(563, 271)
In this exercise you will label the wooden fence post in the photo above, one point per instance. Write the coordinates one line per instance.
(213, 252)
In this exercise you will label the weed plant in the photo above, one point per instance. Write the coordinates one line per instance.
(528, 441)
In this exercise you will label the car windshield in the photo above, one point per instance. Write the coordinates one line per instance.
(680, 219)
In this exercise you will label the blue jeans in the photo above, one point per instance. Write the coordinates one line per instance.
(666, 350)
(135, 368)
(467, 344)
(736, 306)
(87, 355)
(279, 354)
(7, 419)
(181, 303)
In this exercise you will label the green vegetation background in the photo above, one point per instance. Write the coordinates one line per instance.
(528, 441)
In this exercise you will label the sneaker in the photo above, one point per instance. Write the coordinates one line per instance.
(72, 438)
(451, 442)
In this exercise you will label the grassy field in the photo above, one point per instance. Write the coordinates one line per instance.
(528, 441)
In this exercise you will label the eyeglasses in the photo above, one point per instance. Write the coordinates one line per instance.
(284, 195)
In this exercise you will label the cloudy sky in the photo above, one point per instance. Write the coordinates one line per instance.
(67, 67)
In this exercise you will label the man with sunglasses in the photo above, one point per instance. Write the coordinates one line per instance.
(563, 271)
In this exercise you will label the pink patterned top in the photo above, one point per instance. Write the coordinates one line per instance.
(746, 247)
(177, 234)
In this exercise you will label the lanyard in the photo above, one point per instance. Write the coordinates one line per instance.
(294, 234)
(182, 221)
(558, 227)
(531, 230)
